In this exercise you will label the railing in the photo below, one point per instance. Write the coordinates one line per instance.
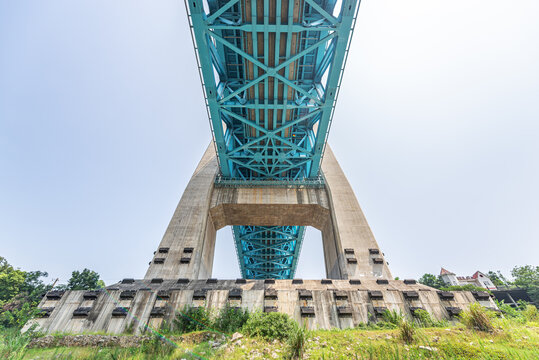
(316, 183)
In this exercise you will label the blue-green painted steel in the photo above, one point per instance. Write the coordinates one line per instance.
(271, 72)
(268, 251)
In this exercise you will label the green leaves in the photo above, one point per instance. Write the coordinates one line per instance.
(431, 280)
(527, 277)
(83, 280)
(269, 325)
(11, 281)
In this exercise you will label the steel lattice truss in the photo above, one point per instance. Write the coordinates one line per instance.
(268, 251)
(271, 72)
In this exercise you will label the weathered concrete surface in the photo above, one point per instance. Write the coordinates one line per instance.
(327, 299)
(350, 227)
(190, 227)
(267, 206)
(188, 246)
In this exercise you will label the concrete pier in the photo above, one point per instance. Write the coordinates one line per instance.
(358, 287)
(187, 248)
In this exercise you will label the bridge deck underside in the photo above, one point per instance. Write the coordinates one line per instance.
(271, 71)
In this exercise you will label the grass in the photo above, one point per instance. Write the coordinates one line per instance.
(507, 338)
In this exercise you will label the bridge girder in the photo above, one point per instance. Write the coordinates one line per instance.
(271, 71)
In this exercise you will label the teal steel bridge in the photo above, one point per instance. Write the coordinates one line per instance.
(271, 72)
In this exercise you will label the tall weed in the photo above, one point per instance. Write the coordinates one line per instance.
(13, 343)
(478, 318)
(297, 339)
(407, 331)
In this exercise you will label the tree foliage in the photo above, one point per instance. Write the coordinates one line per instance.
(83, 280)
(432, 281)
(20, 293)
(497, 278)
(11, 281)
(527, 277)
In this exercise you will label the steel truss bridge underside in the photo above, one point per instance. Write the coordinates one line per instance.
(271, 72)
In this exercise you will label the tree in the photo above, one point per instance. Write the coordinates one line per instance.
(497, 278)
(11, 281)
(432, 281)
(20, 293)
(83, 280)
(527, 277)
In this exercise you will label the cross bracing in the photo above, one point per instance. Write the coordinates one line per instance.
(271, 72)
(268, 251)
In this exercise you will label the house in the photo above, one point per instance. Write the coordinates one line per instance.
(477, 279)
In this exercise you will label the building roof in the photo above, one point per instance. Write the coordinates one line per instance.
(446, 272)
(477, 273)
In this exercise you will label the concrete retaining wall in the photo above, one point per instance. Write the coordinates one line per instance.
(316, 303)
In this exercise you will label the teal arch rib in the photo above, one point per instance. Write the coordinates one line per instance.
(271, 72)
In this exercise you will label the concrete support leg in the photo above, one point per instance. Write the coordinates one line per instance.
(187, 248)
(350, 249)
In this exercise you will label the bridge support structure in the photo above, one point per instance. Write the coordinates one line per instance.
(188, 246)
(358, 287)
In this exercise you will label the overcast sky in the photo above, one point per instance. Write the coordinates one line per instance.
(102, 123)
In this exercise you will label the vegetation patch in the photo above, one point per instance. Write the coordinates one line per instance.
(270, 326)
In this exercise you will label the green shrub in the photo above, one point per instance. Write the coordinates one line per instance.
(393, 317)
(269, 325)
(478, 318)
(380, 325)
(531, 313)
(407, 331)
(230, 319)
(192, 319)
(510, 312)
(296, 342)
(467, 287)
(424, 319)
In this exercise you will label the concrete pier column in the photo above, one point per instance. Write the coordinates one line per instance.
(187, 248)
(350, 249)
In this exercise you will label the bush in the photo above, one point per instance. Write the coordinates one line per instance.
(478, 318)
(296, 342)
(192, 319)
(269, 325)
(531, 313)
(510, 312)
(467, 287)
(230, 319)
(393, 317)
(424, 319)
